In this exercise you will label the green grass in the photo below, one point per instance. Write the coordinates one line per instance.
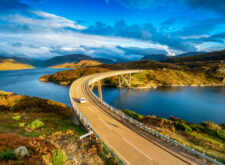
(36, 124)
(52, 123)
(207, 137)
(58, 158)
(7, 155)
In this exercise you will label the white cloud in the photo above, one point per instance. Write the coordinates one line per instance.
(47, 36)
(58, 22)
(42, 20)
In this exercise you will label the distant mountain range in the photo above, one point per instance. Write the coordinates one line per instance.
(160, 57)
(76, 58)
(155, 57)
(210, 56)
(57, 60)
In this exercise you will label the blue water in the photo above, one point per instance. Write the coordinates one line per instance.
(190, 103)
(193, 104)
(26, 82)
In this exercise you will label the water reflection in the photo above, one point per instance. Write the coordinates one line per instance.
(194, 104)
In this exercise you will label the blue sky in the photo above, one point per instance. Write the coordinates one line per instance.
(115, 29)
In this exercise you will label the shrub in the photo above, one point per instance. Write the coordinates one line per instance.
(197, 127)
(35, 124)
(16, 117)
(221, 134)
(21, 124)
(222, 125)
(58, 158)
(133, 114)
(7, 155)
(183, 127)
(211, 126)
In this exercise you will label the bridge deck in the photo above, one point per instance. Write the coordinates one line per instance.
(130, 146)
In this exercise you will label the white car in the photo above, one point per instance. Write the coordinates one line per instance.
(82, 100)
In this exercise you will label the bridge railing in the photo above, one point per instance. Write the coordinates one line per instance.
(87, 124)
(142, 126)
(80, 115)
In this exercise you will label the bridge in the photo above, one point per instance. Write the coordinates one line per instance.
(129, 140)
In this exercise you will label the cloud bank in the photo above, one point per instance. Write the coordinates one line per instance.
(38, 34)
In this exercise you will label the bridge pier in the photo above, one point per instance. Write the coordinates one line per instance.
(123, 80)
(100, 89)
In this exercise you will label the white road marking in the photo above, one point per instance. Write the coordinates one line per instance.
(136, 148)
(105, 123)
(117, 153)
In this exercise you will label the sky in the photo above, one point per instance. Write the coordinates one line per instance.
(114, 29)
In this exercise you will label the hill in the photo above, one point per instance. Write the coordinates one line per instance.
(10, 64)
(156, 74)
(80, 64)
(72, 58)
(189, 54)
(211, 56)
(57, 60)
(155, 57)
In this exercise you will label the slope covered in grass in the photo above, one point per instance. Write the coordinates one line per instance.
(45, 128)
(10, 64)
(155, 74)
(80, 64)
(206, 137)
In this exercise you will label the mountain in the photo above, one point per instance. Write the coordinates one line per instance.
(210, 56)
(104, 60)
(72, 58)
(11, 64)
(155, 57)
(57, 60)
(189, 54)
(80, 64)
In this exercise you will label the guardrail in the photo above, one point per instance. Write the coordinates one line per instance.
(88, 126)
(140, 125)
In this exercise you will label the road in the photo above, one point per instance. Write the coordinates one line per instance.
(130, 146)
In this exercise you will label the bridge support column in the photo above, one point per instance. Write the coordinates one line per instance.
(99, 89)
(120, 83)
(124, 80)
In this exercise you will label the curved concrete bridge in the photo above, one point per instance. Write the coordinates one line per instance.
(130, 143)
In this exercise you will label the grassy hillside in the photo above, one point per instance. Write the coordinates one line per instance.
(45, 128)
(68, 76)
(156, 74)
(169, 77)
(206, 137)
(10, 64)
(80, 64)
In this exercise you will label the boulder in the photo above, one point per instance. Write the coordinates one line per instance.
(21, 152)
